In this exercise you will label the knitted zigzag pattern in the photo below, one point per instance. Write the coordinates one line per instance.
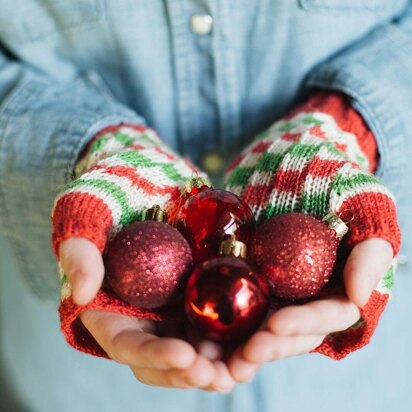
(306, 163)
(124, 170)
(315, 160)
(128, 169)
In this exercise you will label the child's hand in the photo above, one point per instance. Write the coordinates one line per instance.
(307, 163)
(157, 361)
(125, 170)
(299, 329)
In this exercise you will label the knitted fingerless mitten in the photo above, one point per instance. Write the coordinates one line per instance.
(125, 169)
(315, 161)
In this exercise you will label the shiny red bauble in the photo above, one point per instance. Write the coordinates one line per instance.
(225, 299)
(146, 263)
(296, 253)
(211, 216)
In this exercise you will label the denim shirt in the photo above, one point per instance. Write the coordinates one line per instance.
(207, 75)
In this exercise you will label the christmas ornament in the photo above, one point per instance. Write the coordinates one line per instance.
(194, 186)
(147, 261)
(297, 253)
(225, 299)
(209, 216)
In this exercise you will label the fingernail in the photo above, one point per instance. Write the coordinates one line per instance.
(74, 278)
(364, 300)
(265, 355)
(245, 373)
(210, 350)
(77, 280)
(226, 387)
(182, 362)
(248, 376)
(365, 293)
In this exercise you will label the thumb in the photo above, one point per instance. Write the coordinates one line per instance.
(82, 262)
(366, 265)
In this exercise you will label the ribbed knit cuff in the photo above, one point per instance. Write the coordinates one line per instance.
(338, 345)
(92, 221)
(375, 218)
(76, 333)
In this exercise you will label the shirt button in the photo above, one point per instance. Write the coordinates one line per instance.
(201, 24)
(213, 163)
(402, 260)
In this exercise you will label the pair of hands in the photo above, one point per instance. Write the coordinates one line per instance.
(174, 362)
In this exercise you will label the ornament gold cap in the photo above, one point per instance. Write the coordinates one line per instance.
(157, 214)
(336, 224)
(233, 247)
(196, 182)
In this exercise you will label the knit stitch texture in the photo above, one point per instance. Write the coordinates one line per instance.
(123, 171)
(317, 160)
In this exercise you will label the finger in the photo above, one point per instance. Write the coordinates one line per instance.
(365, 267)
(223, 381)
(81, 260)
(210, 350)
(320, 317)
(241, 369)
(264, 346)
(129, 341)
(199, 374)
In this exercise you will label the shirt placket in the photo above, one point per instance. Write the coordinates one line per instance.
(188, 66)
(226, 66)
(207, 107)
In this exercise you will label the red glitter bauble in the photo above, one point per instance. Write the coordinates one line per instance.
(225, 299)
(296, 253)
(211, 216)
(145, 263)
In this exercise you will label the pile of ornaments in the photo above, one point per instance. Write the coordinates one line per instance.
(214, 258)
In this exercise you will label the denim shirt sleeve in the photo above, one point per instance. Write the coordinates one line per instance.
(376, 73)
(44, 125)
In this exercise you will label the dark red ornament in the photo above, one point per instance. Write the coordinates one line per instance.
(296, 253)
(225, 299)
(146, 263)
(210, 217)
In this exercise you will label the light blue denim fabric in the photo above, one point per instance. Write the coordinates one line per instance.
(70, 67)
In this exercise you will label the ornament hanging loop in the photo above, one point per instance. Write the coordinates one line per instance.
(157, 214)
(346, 216)
(196, 182)
(335, 223)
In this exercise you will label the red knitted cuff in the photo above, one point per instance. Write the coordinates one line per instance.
(339, 345)
(93, 220)
(79, 337)
(348, 119)
(375, 216)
